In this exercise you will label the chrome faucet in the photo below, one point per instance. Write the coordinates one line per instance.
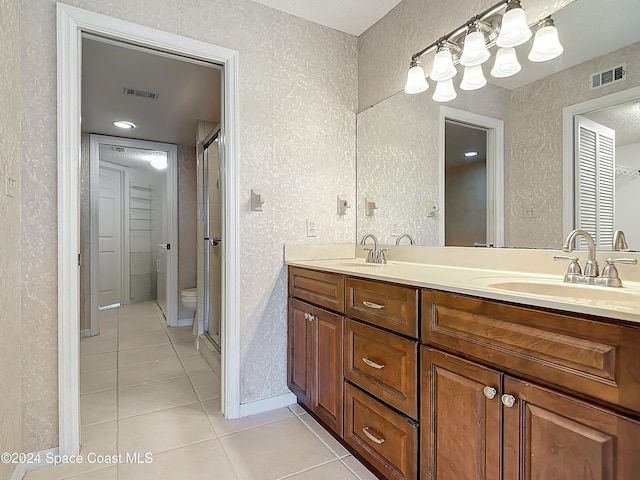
(375, 255)
(405, 235)
(619, 242)
(591, 268)
(574, 274)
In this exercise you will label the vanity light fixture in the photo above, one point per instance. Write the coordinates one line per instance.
(514, 30)
(416, 81)
(124, 124)
(546, 44)
(481, 32)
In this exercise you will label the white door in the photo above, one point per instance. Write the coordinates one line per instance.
(110, 237)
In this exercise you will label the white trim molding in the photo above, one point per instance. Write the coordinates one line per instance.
(268, 404)
(568, 161)
(495, 170)
(22, 468)
(72, 22)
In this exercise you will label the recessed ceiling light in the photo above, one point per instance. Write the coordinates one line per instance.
(470, 154)
(124, 124)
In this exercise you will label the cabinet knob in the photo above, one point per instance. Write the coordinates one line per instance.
(508, 400)
(489, 392)
(372, 437)
(306, 315)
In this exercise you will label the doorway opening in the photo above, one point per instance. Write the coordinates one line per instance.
(133, 226)
(73, 24)
(471, 179)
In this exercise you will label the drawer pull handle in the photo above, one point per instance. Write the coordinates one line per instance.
(379, 441)
(508, 400)
(489, 392)
(373, 305)
(373, 364)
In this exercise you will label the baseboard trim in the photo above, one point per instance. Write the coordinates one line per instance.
(272, 403)
(85, 333)
(185, 322)
(22, 468)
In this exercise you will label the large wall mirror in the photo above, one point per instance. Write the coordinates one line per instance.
(401, 143)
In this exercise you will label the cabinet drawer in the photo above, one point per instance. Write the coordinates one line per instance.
(324, 289)
(386, 439)
(570, 352)
(387, 305)
(383, 364)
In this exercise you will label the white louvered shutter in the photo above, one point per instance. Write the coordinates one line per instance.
(594, 175)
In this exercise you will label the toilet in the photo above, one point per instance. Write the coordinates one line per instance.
(190, 298)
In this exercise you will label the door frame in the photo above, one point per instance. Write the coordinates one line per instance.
(72, 22)
(172, 213)
(495, 171)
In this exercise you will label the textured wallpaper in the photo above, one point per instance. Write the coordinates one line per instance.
(10, 316)
(297, 144)
(398, 160)
(85, 232)
(535, 173)
(385, 49)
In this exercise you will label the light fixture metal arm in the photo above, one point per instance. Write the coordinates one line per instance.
(446, 38)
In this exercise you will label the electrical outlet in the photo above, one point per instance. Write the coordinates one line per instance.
(394, 230)
(530, 212)
(311, 228)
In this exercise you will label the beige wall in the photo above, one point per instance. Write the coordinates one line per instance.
(535, 166)
(10, 308)
(385, 49)
(297, 144)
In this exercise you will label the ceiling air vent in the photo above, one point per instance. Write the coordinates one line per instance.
(140, 93)
(609, 77)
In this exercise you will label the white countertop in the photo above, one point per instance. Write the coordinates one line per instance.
(616, 303)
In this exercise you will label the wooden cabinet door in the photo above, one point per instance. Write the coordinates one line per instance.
(300, 350)
(551, 436)
(327, 396)
(460, 425)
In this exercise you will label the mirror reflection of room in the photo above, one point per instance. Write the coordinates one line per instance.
(401, 132)
(465, 189)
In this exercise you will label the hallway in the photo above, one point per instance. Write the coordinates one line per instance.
(146, 389)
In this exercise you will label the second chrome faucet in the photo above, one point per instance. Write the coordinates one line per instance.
(591, 275)
(375, 255)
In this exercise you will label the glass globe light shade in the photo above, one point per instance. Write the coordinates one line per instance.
(506, 63)
(444, 91)
(475, 50)
(514, 30)
(473, 78)
(443, 68)
(546, 44)
(416, 81)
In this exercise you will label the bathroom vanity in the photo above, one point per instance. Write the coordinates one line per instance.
(425, 376)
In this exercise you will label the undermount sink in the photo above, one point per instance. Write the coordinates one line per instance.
(572, 292)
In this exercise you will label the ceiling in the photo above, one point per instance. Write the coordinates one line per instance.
(349, 16)
(187, 92)
(624, 119)
(460, 139)
(131, 157)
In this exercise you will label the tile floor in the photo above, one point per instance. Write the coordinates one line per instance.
(146, 389)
